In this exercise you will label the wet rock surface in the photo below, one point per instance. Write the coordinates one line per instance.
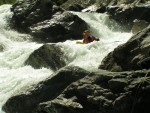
(27, 99)
(125, 14)
(27, 12)
(46, 21)
(60, 28)
(48, 56)
(130, 55)
(73, 89)
(103, 92)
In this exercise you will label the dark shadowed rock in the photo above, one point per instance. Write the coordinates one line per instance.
(75, 7)
(49, 56)
(26, 100)
(89, 95)
(117, 85)
(59, 2)
(129, 55)
(101, 9)
(127, 13)
(60, 28)
(27, 12)
(46, 21)
(144, 63)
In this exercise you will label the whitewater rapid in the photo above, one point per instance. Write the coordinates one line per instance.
(17, 47)
(89, 56)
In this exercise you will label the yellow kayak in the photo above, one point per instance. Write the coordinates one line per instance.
(79, 43)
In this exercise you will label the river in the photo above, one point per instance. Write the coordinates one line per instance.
(16, 48)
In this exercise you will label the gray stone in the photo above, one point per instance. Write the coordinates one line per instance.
(27, 100)
(119, 102)
(60, 28)
(129, 55)
(48, 56)
(66, 92)
(125, 14)
(27, 12)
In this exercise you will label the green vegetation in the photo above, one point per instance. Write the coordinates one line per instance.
(7, 1)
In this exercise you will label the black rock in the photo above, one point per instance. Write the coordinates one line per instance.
(26, 100)
(27, 12)
(49, 56)
(88, 96)
(126, 14)
(75, 7)
(129, 55)
(60, 28)
(144, 63)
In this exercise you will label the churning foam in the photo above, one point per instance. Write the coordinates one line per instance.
(16, 49)
(89, 56)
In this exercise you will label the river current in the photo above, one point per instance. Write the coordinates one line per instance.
(15, 49)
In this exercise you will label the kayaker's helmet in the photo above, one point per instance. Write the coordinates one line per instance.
(86, 32)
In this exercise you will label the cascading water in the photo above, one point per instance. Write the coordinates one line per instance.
(17, 47)
(89, 56)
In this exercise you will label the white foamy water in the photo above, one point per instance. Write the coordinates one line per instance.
(17, 48)
(89, 56)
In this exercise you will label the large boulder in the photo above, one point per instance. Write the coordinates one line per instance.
(27, 12)
(104, 93)
(46, 21)
(60, 28)
(125, 14)
(49, 56)
(26, 99)
(130, 55)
